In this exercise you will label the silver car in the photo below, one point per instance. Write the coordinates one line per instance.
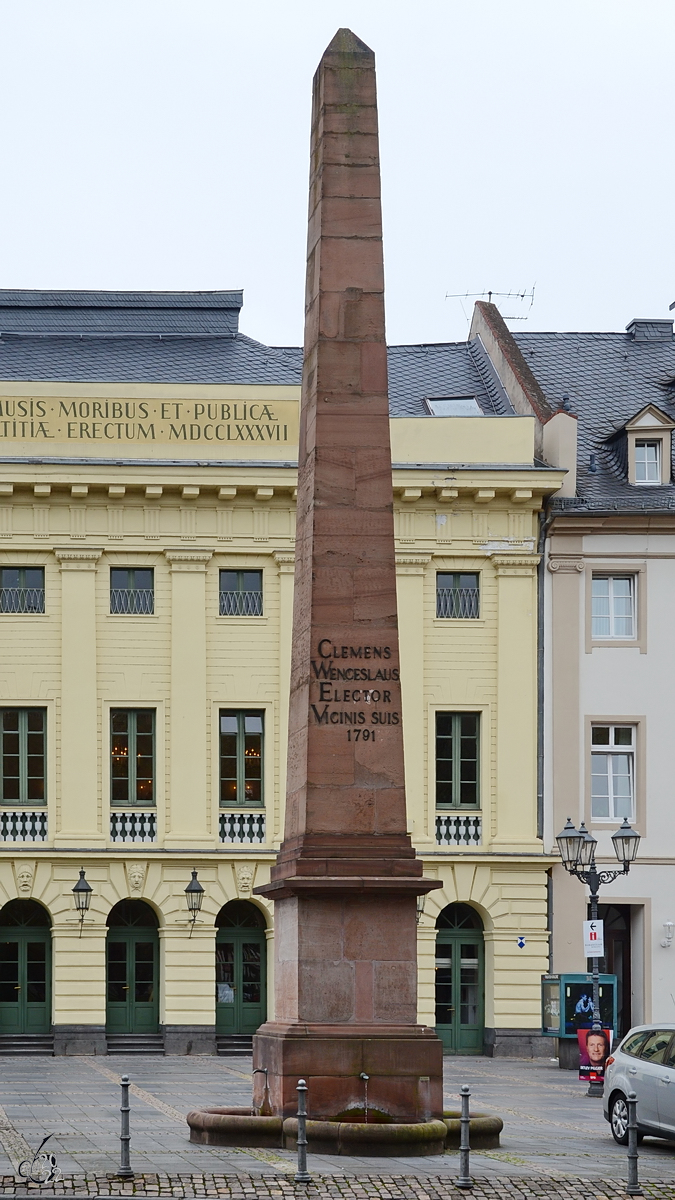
(644, 1063)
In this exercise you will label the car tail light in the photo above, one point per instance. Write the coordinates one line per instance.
(609, 1061)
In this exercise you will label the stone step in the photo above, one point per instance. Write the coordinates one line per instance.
(135, 1043)
(26, 1043)
(234, 1045)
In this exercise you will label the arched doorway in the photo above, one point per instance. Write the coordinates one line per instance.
(25, 968)
(132, 969)
(460, 987)
(241, 969)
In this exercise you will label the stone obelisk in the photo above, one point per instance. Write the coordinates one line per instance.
(346, 879)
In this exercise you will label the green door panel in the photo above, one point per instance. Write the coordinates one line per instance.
(131, 980)
(460, 987)
(25, 979)
(241, 968)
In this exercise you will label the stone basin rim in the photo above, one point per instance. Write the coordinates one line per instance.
(239, 1126)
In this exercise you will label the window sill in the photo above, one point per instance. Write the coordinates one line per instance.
(242, 808)
(469, 812)
(609, 822)
(616, 643)
(243, 620)
(132, 616)
(6, 614)
(459, 620)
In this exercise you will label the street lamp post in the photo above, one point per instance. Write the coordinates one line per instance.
(577, 851)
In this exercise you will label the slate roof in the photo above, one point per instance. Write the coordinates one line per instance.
(609, 378)
(192, 337)
(131, 313)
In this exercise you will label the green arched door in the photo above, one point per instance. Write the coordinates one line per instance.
(460, 980)
(25, 968)
(132, 969)
(241, 968)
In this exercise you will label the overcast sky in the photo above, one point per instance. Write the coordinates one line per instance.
(163, 144)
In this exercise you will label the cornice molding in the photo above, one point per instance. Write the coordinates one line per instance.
(285, 561)
(78, 560)
(513, 564)
(188, 560)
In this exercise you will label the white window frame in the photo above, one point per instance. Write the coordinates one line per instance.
(612, 752)
(612, 635)
(657, 443)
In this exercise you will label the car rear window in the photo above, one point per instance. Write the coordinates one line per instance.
(633, 1044)
(656, 1045)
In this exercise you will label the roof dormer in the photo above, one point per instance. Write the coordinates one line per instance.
(649, 435)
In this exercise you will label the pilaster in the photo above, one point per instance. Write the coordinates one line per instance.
(188, 815)
(515, 816)
(79, 808)
(286, 567)
(410, 572)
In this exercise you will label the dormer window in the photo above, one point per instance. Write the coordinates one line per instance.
(648, 462)
(649, 436)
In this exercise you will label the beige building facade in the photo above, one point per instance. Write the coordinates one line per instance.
(147, 515)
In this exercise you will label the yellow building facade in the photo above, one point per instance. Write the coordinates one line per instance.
(146, 592)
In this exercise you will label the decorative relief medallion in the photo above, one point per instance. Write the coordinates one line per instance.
(136, 877)
(24, 879)
(244, 873)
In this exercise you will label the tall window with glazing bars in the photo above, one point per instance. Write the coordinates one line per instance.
(22, 590)
(132, 591)
(457, 594)
(457, 759)
(23, 745)
(132, 754)
(241, 757)
(241, 594)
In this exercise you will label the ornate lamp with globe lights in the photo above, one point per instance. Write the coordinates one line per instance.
(577, 852)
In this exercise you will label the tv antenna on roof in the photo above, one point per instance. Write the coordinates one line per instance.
(523, 294)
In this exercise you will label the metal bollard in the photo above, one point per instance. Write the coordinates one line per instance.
(464, 1179)
(302, 1175)
(125, 1171)
(633, 1188)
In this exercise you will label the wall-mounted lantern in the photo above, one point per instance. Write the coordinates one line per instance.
(194, 895)
(82, 893)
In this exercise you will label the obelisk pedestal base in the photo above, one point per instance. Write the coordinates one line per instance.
(404, 1065)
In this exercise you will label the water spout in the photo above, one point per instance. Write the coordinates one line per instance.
(365, 1079)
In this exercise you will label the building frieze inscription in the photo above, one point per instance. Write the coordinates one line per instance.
(148, 421)
(343, 664)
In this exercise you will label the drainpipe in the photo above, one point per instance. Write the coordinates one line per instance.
(545, 519)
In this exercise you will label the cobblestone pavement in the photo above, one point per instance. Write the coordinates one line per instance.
(553, 1132)
(331, 1187)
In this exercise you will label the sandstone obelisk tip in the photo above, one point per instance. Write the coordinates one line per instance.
(346, 42)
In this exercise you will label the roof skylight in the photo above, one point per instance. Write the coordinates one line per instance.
(453, 406)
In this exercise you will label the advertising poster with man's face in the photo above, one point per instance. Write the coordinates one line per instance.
(594, 1047)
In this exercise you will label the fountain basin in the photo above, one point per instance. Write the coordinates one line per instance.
(484, 1130)
(238, 1127)
(234, 1127)
(375, 1139)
